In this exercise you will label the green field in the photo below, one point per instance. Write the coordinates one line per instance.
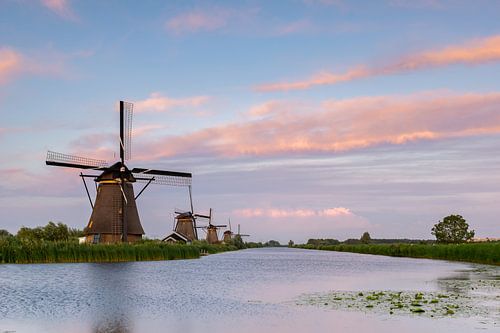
(15, 252)
(483, 253)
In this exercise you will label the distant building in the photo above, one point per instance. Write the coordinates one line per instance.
(176, 237)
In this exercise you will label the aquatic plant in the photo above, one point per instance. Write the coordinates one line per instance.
(24, 252)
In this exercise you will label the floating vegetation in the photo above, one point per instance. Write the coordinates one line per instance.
(402, 303)
(471, 293)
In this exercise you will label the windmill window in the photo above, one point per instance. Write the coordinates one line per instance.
(97, 238)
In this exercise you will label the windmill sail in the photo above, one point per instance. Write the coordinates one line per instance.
(71, 161)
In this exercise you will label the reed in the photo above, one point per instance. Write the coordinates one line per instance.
(14, 251)
(483, 253)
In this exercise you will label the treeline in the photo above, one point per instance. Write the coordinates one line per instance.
(52, 232)
(483, 253)
(354, 241)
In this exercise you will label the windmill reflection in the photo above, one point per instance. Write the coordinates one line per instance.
(111, 302)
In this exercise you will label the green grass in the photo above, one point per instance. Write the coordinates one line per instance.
(16, 252)
(483, 253)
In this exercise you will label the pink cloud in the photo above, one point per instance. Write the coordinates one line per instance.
(198, 20)
(340, 125)
(302, 223)
(14, 64)
(477, 51)
(158, 103)
(294, 27)
(60, 7)
(11, 64)
(295, 213)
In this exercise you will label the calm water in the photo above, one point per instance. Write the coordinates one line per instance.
(246, 291)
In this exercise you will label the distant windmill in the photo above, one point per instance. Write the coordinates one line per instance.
(114, 215)
(240, 234)
(211, 229)
(228, 234)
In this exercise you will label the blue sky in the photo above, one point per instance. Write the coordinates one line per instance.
(298, 119)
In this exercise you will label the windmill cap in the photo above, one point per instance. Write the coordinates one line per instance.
(116, 171)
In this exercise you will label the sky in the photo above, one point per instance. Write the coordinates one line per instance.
(298, 119)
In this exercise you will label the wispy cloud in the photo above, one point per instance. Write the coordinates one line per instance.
(294, 27)
(341, 125)
(287, 213)
(198, 20)
(60, 7)
(426, 4)
(14, 63)
(209, 19)
(11, 63)
(156, 102)
(473, 52)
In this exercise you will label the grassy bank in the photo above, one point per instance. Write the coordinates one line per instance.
(69, 252)
(483, 253)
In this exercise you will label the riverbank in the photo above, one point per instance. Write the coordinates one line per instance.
(70, 252)
(481, 253)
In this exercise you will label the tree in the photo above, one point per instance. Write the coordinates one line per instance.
(30, 234)
(291, 243)
(453, 229)
(365, 238)
(273, 243)
(55, 232)
(4, 233)
(51, 232)
(238, 242)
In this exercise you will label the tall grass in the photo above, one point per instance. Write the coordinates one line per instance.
(14, 251)
(484, 253)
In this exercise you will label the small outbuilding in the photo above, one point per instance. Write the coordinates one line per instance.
(176, 237)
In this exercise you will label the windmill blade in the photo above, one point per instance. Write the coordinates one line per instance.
(71, 161)
(203, 216)
(126, 112)
(162, 172)
(162, 177)
(162, 180)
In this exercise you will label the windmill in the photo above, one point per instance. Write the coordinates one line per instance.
(211, 229)
(228, 234)
(240, 234)
(114, 215)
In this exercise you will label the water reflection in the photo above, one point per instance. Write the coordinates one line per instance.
(111, 310)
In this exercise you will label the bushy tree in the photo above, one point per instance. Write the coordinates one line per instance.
(453, 229)
(51, 232)
(4, 233)
(55, 232)
(365, 238)
(238, 242)
(291, 243)
(273, 243)
(326, 241)
(30, 234)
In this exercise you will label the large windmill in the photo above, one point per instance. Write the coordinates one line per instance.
(211, 229)
(114, 214)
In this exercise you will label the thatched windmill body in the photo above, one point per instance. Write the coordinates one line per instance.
(114, 215)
